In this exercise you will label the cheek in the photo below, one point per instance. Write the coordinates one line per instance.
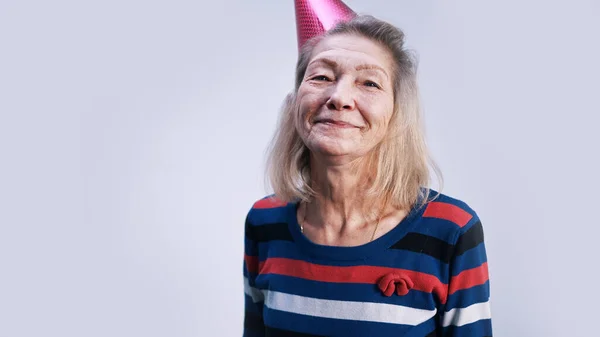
(308, 105)
(387, 109)
(302, 115)
(378, 112)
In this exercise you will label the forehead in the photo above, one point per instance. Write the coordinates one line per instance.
(354, 49)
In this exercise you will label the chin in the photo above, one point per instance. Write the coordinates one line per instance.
(326, 145)
(333, 149)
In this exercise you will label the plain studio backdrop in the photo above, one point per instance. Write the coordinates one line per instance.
(132, 140)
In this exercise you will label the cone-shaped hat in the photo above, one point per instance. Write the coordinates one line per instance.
(315, 17)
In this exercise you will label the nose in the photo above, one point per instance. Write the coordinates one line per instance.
(342, 97)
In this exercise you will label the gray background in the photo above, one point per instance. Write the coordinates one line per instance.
(132, 138)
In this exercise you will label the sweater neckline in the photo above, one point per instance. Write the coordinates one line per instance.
(350, 253)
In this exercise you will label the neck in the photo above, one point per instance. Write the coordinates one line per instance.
(339, 204)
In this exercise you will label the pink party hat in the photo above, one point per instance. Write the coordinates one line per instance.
(315, 17)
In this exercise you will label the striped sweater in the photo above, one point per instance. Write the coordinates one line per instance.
(426, 277)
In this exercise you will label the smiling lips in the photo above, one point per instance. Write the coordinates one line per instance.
(335, 123)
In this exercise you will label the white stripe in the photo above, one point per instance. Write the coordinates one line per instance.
(468, 315)
(358, 311)
(256, 294)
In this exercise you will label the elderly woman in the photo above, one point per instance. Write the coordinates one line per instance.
(353, 242)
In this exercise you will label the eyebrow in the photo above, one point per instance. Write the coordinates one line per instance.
(328, 62)
(334, 64)
(371, 67)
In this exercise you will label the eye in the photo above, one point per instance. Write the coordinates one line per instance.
(372, 84)
(320, 78)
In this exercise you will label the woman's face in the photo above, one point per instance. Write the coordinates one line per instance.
(346, 97)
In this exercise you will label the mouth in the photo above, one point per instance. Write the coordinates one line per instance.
(335, 123)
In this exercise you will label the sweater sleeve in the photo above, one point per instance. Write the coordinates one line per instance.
(253, 297)
(467, 309)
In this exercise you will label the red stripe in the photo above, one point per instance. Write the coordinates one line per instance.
(251, 263)
(269, 202)
(442, 210)
(469, 278)
(350, 274)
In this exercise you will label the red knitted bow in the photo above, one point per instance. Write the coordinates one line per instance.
(395, 282)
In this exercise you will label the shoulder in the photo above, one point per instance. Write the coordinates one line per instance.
(268, 202)
(266, 210)
(268, 220)
(449, 216)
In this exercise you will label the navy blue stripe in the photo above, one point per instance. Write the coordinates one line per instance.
(438, 228)
(250, 248)
(434, 333)
(473, 258)
(260, 216)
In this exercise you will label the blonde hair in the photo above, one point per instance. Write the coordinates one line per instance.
(400, 163)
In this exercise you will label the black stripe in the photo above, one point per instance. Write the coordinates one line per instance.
(425, 244)
(268, 232)
(253, 321)
(440, 249)
(471, 239)
(272, 332)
